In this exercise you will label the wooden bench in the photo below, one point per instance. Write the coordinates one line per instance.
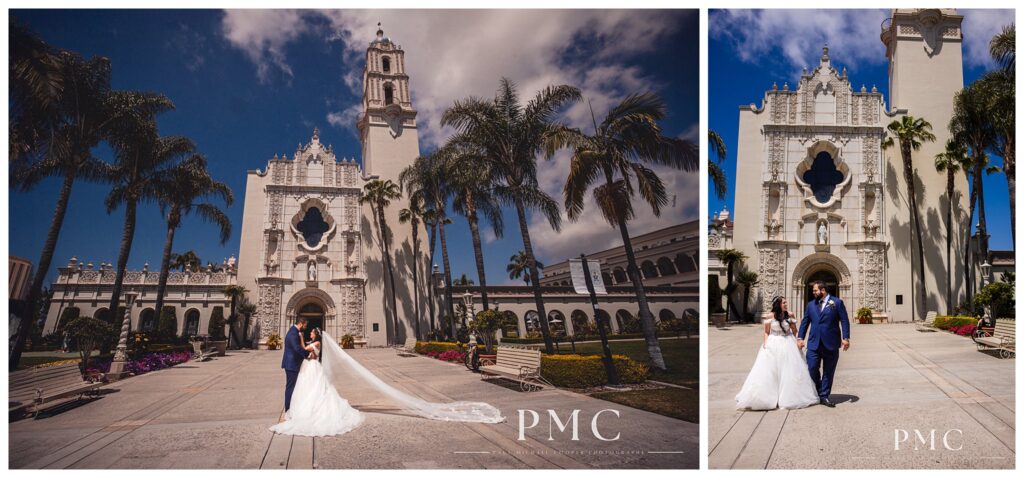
(409, 349)
(1001, 338)
(929, 323)
(519, 364)
(31, 389)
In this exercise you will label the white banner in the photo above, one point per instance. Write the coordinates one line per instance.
(579, 281)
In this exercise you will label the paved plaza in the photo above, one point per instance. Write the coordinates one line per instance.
(892, 379)
(216, 414)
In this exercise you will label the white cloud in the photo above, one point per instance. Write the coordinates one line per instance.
(454, 54)
(794, 38)
(979, 27)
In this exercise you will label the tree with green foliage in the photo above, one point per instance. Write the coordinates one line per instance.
(998, 296)
(88, 333)
(167, 327)
(217, 322)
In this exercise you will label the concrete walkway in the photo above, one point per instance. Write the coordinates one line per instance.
(216, 414)
(892, 379)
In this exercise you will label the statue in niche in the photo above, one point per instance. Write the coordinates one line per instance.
(311, 272)
(822, 233)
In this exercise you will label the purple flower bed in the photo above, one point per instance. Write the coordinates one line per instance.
(148, 363)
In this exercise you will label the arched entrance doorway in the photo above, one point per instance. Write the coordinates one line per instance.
(314, 314)
(828, 277)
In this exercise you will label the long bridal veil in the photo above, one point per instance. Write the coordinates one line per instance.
(335, 359)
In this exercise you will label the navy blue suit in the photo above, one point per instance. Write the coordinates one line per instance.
(829, 327)
(291, 362)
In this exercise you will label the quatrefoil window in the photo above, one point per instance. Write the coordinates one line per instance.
(823, 177)
(312, 226)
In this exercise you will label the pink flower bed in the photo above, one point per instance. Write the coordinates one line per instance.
(965, 330)
(447, 355)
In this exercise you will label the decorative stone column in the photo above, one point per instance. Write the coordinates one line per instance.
(121, 355)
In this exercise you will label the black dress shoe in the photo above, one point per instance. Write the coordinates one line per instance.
(828, 403)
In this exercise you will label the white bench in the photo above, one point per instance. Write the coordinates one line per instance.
(409, 349)
(35, 387)
(929, 322)
(1002, 338)
(519, 364)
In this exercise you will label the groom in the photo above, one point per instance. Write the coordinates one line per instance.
(294, 354)
(824, 315)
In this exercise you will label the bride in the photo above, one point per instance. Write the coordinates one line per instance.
(318, 410)
(779, 377)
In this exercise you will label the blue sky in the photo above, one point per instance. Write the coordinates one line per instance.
(750, 50)
(251, 84)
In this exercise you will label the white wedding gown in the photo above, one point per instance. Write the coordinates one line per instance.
(779, 377)
(318, 410)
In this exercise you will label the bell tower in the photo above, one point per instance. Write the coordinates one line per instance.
(924, 48)
(387, 125)
(390, 141)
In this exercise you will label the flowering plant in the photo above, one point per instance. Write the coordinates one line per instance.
(965, 330)
(149, 362)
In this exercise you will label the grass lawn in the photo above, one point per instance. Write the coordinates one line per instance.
(681, 360)
(681, 357)
(678, 403)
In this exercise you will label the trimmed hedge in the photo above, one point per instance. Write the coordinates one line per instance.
(217, 323)
(168, 325)
(945, 322)
(579, 338)
(581, 371)
(427, 348)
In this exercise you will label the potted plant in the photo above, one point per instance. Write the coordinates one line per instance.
(274, 341)
(348, 342)
(864, 315)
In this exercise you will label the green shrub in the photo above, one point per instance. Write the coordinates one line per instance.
(999, 296)
(581, 371)
(69, 314)
(945, 322)
(714, 295)
(167, 328)
(578, 338)
(88, 333)
(216, 328)
(438, 347)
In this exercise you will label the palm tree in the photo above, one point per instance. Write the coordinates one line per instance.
(181, 192)
(519, 266)
(235, 292)
(749, 280)
(731, 258)
(430, 221)
(426, 177)
(715, 172)
(470, 178)
(143, 163)
(187, 260)
(83, 111)
(511, 136)
(413, 215)
(615, 159)
(971, 127)
(1000, 89)
(950, 162)
(908, 133)
(1003, 47)
(379, 194)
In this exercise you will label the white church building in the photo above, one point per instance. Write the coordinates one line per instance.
(308, 248)
(817, 198)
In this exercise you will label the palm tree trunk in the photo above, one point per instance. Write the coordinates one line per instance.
(968, 280)
(430, 276)
(45, 258)
(447, 281)
(549, 346)
(950, 177)
(165, 259)
(122, 257)
(415, 276)
(982, 222)
(646, 317)
(908, 176)
(1010, 170)
(391, 271)
(478, 252)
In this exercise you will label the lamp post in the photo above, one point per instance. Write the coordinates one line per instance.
(986, 279)
(121, 355)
